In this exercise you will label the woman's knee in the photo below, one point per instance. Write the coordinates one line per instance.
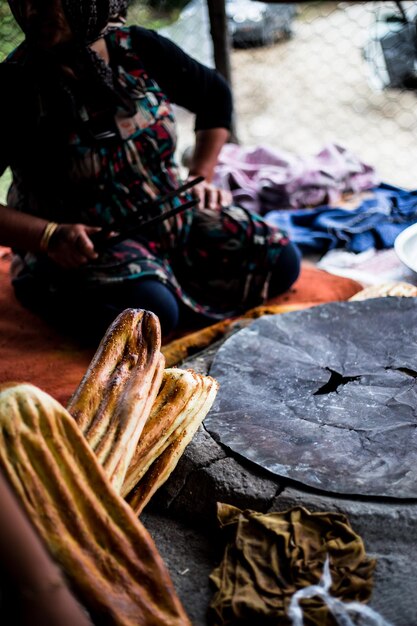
(152, 295)
(89, 314)
(286, 271)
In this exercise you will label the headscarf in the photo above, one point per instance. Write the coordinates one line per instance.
(87, 20)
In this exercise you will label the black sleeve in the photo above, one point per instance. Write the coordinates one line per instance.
(3, 159)
(13, 113)
(5, 121)
(184, 80)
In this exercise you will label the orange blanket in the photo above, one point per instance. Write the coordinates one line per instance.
(30, 351)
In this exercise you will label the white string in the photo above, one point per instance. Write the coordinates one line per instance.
(337, 608)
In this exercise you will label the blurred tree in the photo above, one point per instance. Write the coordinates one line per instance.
(161, 6)
(10, 33)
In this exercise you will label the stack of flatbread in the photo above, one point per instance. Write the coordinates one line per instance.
(84, 473)
(137, 416)
(384, 290)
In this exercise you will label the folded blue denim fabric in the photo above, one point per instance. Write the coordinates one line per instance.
(375, 223)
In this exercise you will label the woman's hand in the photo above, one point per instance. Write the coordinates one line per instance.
(70, 245)
(209, 196)
(203, 161)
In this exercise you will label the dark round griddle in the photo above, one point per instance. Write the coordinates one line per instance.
(325, 396)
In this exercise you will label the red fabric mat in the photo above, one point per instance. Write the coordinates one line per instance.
(31, 351)
(316, 286)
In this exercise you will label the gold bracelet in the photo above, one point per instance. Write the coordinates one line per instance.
(50, 228)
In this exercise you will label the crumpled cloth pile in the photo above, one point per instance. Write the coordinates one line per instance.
(263, 179)
(305, 196)
(268, 557)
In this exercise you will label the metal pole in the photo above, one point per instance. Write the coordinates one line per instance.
(221, 45)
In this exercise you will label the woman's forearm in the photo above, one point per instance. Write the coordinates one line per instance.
(44, 597)
(202, 163)
(22, 554)
(68, 245)
(206, 152)
(20, 230)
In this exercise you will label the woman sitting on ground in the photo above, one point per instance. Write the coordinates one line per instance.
(88, 131)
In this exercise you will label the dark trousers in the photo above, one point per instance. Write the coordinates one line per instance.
(88, 314)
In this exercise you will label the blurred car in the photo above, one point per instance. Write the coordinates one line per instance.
(391, 48)
(252, 22)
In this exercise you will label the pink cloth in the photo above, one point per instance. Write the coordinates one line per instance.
(263, 179)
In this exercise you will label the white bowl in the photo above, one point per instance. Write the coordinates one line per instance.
(405, 246)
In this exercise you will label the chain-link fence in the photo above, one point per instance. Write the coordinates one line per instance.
(341, 78)
(339, 72)
(344, 73)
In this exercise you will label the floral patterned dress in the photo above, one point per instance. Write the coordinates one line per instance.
(216, 262)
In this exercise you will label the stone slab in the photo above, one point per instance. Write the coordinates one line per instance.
(326, 396)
